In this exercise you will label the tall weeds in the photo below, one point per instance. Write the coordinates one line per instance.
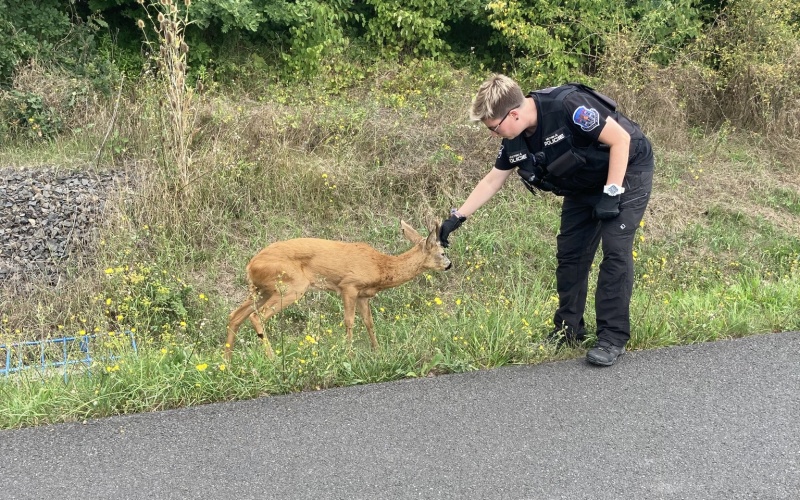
(177, 103)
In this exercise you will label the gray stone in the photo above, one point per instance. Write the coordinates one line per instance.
(47, 216)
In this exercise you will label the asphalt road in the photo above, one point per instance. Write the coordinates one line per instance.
(711, 421)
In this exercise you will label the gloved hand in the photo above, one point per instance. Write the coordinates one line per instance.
(448, 226)
(607, 207)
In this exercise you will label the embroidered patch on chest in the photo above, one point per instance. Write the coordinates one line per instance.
(586, 118)
(514, 158)
(553, 139)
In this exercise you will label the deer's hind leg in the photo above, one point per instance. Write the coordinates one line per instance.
(235, 320)
(285, 292)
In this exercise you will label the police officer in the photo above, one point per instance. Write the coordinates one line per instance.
(571, 141)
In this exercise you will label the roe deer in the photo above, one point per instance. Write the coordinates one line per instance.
(281, 273)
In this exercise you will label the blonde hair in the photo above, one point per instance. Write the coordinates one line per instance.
(496, 96)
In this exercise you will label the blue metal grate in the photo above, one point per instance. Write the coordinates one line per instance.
(61, 352)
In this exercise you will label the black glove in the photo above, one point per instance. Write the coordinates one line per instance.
(448, 226)
(607, 207)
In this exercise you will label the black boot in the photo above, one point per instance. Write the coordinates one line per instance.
(604, 353)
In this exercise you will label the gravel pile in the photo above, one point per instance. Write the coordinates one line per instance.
(47, 216)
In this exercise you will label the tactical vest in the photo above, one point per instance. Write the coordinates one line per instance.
(572, 165)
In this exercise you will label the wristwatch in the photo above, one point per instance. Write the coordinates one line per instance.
(613, 189)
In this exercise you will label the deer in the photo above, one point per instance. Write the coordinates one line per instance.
(281, 273)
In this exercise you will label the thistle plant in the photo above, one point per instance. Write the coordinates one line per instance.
(177, 110)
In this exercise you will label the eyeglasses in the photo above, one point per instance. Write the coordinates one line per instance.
(494, 129)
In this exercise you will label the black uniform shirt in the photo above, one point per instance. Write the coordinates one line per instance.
(586, 117)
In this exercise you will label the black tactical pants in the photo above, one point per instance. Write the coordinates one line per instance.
(579, 236)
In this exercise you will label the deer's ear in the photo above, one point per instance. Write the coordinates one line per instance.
(410, 233)
(434, 227)
(433, 237)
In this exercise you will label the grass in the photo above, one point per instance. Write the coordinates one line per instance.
(718, 255)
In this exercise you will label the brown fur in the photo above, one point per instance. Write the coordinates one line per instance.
(281, 274)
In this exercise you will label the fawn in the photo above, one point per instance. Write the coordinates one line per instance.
(281, 273)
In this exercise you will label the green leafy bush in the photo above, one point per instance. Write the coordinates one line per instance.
(552, 41)
(749, 59)
(26, 115)
(414, 26)
(53, 32)
(31, 26)
(556, 41)
(150, 301)
(317, 36)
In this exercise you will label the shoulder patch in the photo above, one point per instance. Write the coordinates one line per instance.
(586, 118)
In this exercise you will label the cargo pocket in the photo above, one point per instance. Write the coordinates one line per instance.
(638, 186)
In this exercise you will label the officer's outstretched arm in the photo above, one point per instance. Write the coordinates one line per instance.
(484, 190)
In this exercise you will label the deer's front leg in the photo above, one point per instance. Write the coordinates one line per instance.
(349, 301)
